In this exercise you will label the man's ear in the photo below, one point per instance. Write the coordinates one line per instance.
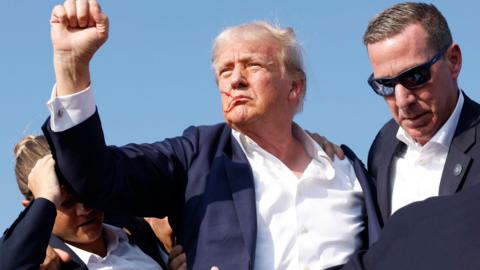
(297, 88)
(454, 59)
(25, 203)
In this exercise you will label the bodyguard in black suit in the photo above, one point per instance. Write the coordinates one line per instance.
(429, 148)
(53, 215)
(415, 68)
(462, 167)
(23, 245)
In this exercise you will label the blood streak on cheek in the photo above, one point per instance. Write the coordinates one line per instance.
(231, 102)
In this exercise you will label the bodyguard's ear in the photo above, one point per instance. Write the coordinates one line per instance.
(454, 60)
(25, 203)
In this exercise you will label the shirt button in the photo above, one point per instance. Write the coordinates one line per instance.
(60, 113)
(303, 230)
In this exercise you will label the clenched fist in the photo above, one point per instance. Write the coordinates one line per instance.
(78, 30)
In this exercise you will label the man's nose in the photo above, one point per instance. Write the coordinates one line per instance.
(403, 96)
(238, 80)
(82, 209)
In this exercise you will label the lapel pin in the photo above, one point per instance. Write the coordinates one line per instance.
(457, 170)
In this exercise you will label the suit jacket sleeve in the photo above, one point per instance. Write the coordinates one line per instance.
(24, 244)
(140, 179)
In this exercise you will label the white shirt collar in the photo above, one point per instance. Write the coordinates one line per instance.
(312, 148)
(112, 235)
(444, 135)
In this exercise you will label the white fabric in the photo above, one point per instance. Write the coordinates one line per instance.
(69, 111)
(308, 223)
(121, 255)
(417, 172)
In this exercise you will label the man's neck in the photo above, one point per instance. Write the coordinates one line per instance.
(98, 247)
(279, 141)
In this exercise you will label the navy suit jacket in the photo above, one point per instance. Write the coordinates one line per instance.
(23, 245)
(462, 167)
(202, 181)
(440, 233)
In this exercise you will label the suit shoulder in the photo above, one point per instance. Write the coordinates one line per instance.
(207, 132)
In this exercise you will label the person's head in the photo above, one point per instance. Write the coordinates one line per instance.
(75, 223)
(399, 41)
(259, 72)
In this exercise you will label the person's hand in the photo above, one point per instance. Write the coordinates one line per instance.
(162, 230)
(330, 148)
(43, 181)
(177, 260)
(78, 30)
(54, 259)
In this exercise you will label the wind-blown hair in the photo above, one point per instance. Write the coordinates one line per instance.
(27, 152)
(290, 56)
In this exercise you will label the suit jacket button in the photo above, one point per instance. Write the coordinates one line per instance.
(457, 170)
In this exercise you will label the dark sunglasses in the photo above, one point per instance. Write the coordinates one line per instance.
(411, 79)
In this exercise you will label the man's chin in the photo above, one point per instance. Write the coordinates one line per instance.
(421, 135)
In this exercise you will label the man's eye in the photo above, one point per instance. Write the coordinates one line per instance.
(224, 72)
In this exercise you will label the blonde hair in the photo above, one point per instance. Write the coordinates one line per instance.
(290, 55)
(27, 152)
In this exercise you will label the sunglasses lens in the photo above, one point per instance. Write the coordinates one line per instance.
(415, 77)
(383, 87)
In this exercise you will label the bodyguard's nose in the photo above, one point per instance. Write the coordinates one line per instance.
(403, 96)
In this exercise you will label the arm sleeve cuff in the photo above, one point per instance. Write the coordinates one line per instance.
(69, 111)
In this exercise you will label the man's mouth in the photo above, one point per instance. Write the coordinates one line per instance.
(92, 221)
(417, 120)
(234, 101)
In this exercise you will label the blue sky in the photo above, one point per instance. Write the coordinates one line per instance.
(152, 78)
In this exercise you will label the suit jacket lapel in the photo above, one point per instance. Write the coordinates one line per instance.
(240, 177)
(458, 161)
(75, 261)
(384, 188)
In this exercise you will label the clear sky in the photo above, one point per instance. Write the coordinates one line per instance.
(152, 78)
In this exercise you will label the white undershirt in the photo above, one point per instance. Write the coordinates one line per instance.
(417, 172)
(121, 255)
(308, 223)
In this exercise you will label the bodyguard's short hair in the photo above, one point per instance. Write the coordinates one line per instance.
(395, 19)
(290, 56)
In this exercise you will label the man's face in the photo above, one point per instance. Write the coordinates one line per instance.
(253, 87)
(422, 111)
(76, 223)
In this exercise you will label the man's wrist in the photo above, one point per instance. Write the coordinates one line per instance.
(72, 74)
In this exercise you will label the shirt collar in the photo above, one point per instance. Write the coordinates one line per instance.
(312, 148)
(112, 235)
(444, 135)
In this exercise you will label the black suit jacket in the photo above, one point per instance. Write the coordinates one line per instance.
(23, 245)
(462, 167)
(440, 233)
(201, 180)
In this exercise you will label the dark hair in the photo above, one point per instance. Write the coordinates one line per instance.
(395, 19)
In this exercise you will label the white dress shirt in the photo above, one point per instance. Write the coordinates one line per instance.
(121, 255)
(311, 222)
(416, 173)
(308, 223)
